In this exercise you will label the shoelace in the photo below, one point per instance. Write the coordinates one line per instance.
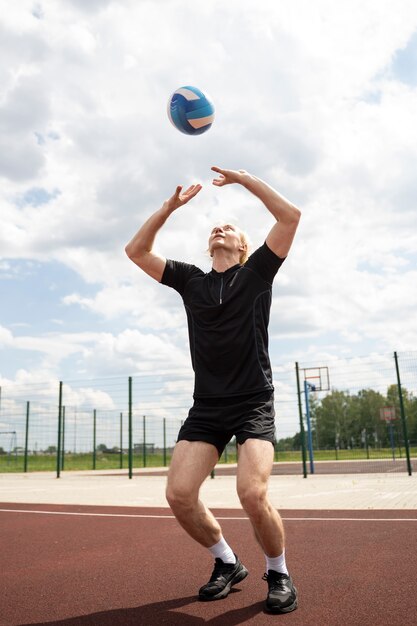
(275, 581)
(220, 568)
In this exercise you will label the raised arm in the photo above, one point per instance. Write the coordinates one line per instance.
(140, 248)
(281, 236)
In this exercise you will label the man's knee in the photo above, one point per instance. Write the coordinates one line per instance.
(253, 498)
(180, 497)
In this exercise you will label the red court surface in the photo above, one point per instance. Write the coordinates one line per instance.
(110, 566)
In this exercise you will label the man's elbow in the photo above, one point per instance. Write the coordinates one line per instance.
(296, 214)
(128, 250)
(132, 253)
(292, 217)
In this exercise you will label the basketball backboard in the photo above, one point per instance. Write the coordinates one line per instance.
(317, 377)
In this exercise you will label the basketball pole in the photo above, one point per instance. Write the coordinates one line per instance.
(307, 387)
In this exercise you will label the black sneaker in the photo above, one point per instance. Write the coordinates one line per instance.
(224, 576)
(282, 595)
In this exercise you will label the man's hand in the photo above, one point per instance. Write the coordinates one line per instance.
(140, 248)
(228, 176)
(287, 215)
(179, 197)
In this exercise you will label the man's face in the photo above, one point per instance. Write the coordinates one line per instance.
(226, 236)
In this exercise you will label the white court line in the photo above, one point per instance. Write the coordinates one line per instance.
(287, 519)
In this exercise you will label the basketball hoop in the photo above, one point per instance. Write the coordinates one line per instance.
(387, 413)
(317, 378)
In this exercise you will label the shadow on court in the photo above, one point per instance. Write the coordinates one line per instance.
(167, 612)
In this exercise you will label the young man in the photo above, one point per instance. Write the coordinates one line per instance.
(228, 314)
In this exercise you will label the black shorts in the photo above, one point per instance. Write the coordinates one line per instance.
(217, 420)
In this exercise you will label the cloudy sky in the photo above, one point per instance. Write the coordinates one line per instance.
(317, 98)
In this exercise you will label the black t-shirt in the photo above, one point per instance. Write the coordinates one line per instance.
(228, 316)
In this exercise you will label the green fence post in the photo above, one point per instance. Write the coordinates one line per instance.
(94, 438)
(130, 428)
(300, 412)
(121, 440)
(144, 441)
(164, 427)
(58, 452)
(63, 438)
(25, 467)
(403, 416)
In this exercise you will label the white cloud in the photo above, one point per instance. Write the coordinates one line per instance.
(6, 337)
(306, 97)
(128, 351)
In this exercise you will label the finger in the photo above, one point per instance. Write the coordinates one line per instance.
(190, 193)
(192, 190)
(217, 169)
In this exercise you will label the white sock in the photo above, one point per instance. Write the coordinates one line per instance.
(276, 563)
(222, 550)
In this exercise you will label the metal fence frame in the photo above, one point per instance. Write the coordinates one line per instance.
(298, 399)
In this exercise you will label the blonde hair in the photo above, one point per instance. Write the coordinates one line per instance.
(244, 255)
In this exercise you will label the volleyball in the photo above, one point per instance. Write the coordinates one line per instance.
(190, 110)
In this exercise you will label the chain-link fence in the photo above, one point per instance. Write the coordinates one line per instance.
(341, 415)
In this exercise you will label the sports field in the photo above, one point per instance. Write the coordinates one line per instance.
(97, 549)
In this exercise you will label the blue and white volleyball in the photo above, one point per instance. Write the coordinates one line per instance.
(190, 110)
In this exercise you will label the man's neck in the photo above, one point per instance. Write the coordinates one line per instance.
(222, 261)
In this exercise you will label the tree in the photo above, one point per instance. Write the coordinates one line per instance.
(412, 420)
(410, 409)
(365, 417)
(330, 419)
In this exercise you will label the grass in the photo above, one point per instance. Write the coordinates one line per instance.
(77, 462)
(84, 461)
(347, 455)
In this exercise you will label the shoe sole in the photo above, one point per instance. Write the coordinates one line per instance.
(241, 575)
(286, 609)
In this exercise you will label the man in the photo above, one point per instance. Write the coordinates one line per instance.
(228, 314)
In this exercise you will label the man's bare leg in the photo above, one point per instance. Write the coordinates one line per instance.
(191, 463)
(254, 469)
